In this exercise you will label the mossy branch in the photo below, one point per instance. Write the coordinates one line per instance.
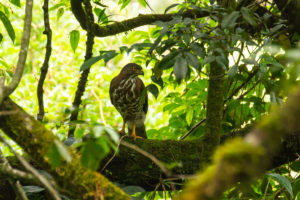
(35, 139)
(129, 24)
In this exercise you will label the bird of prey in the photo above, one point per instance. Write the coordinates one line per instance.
(129, 96)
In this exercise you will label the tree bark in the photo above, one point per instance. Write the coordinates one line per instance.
(128, 167)
(35, 139)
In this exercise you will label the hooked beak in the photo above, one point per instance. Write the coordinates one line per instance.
(140, 72)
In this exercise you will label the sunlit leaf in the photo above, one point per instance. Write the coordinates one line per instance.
(56, 6)
(74, 39)
(8, 26)
(60, 13)
(15, 2)
(189, 116)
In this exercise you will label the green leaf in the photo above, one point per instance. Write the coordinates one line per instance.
(229, 20)
(180, 68)
(15, 2)
(74, 39)
(153, 89)
(132, 189)
(170, 7)
(63, 150)
(87, 64)
(60, 13)
(108, 55)
(209, 59)
(223, 62)
(283, 181)
(168, 61)
(56, 6)
(54, 156)
(198, 49)
(189, 116)
(192, 60)
(92, 153)
(8, 26)
(1, 37)
(142, 3)
(295, 166)
(32, 189)
(296, 186)
(232, 71)
(247, 16)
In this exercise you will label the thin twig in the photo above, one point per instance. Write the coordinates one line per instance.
(7, 90)
(114, 155)
(17, 187)
(192, 129)
(148, 155)
(44, 69)
(84, 76)
(54, 194)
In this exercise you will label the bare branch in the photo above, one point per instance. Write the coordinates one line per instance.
(7, 90)
(45, 66)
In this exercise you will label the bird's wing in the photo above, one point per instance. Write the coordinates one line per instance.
(112, 87)
(141, 90)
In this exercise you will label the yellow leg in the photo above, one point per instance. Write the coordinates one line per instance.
(133, 134)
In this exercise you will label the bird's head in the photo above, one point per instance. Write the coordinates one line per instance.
(132, 70)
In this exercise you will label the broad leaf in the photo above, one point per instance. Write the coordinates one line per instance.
(180, 68)
(15, 2)
(192, 60)
(74, 39)
(230, 19)
(189, 116)
(232, 71)
(92, 153)
(63, 151)
(283, 181)
(60, 13)
(8, 26)
(247, 16)
(87, 64)
(153, 89)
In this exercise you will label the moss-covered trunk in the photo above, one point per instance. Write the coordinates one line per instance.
(35, 139)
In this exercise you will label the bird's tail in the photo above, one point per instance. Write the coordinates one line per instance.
(139, 130)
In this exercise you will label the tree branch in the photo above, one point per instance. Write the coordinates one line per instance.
(44, 69)
(36, 140)
(129, 24)
(89, 20)
(7, 90)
